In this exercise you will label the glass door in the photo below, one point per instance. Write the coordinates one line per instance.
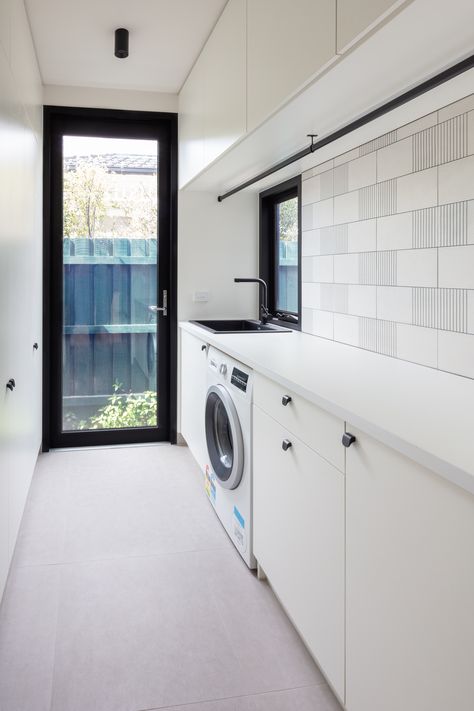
(110, 293)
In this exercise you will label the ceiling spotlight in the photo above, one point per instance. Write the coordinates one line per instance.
(121, 43)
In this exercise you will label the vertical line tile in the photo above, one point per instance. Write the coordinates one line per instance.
(440, 144)
(341, 179)
(444, 226)
(379, 142)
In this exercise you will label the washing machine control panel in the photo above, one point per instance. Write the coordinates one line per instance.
(239, 379)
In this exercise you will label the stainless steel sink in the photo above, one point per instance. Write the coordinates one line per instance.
(240, 326)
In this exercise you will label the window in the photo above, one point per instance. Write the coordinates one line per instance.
(280, 250)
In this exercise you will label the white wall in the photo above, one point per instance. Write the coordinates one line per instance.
(20, 269)
(88, 97)
(217, 242)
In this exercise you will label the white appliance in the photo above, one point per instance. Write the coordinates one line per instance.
(228, 427)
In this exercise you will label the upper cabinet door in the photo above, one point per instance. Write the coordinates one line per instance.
(355, 16)
(212, 112)
(191, 125)
(288, 42)
(224, 64)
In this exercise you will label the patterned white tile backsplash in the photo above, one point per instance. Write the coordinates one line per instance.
(388, 243)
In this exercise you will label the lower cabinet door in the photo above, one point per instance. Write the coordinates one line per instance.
(299, 539)
(193, 394)
(410, 585)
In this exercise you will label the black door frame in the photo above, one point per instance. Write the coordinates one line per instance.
(120, 124)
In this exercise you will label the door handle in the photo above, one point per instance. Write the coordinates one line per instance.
(164, 308)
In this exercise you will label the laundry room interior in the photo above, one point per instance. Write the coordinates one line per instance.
(237, 352)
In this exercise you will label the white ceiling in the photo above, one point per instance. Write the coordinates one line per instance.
(74, 41)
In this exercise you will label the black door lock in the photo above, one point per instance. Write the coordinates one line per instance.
(348, 439)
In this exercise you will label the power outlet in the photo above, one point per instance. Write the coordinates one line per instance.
(201, 296)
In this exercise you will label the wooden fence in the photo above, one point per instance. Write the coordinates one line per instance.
(109, 332)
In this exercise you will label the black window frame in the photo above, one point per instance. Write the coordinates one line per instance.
(268, 244)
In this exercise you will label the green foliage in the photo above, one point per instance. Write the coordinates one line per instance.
(84, 198)
(288, 220)
(124, 410)
(140, 211)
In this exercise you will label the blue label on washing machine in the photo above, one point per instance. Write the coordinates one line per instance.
(239, 517)
(238, 530)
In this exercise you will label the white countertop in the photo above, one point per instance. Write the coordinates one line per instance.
(424, 413)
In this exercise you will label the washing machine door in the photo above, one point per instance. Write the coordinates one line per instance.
(225, 445)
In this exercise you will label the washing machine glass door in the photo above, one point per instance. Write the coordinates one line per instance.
(224, 437)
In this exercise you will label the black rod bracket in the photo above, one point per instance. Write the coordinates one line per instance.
(312, 147)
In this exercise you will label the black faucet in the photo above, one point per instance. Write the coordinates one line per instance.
(263, 311)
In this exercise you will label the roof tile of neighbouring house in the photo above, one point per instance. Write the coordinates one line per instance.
(117, 162)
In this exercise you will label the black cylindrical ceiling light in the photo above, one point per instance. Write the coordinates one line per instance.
(121, 43)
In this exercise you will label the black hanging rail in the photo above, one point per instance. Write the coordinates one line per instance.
(418, 90)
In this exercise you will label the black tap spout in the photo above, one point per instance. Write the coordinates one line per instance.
(264, 312)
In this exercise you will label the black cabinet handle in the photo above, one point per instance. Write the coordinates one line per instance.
(348, 439)
(11, 384)
(203, 348)
(35, 346)
(285, 400)
(285, 445)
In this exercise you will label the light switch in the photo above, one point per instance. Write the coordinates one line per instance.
(201, 296)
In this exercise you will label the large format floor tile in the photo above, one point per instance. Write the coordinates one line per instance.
(307, 698)
(126, 594)
(27, 638)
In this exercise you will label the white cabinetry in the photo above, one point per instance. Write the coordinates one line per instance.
(288, 42)
(193, 394)
(299, 527)
(212, 100)
(410, 584)
(355, 16)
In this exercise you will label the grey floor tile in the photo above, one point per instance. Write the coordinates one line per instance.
(270, 651)
(309, 698)
(42, 532)
(140, 632)
(153, 605)
(146, 503)
(27, 637)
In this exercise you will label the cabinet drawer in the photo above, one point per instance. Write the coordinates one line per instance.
(318, 429)
(299, 538)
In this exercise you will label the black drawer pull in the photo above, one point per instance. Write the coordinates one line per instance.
(203, 348)
(348, 439)
(285, 400)
(285, 445)
(35, 346)
(11, 384)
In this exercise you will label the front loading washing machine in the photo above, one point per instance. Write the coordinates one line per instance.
(228, 426)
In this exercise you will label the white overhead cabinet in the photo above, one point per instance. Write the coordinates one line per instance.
(356, 16)
(410, 584)
(299, 519)
(288, 42)
(212, 101)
